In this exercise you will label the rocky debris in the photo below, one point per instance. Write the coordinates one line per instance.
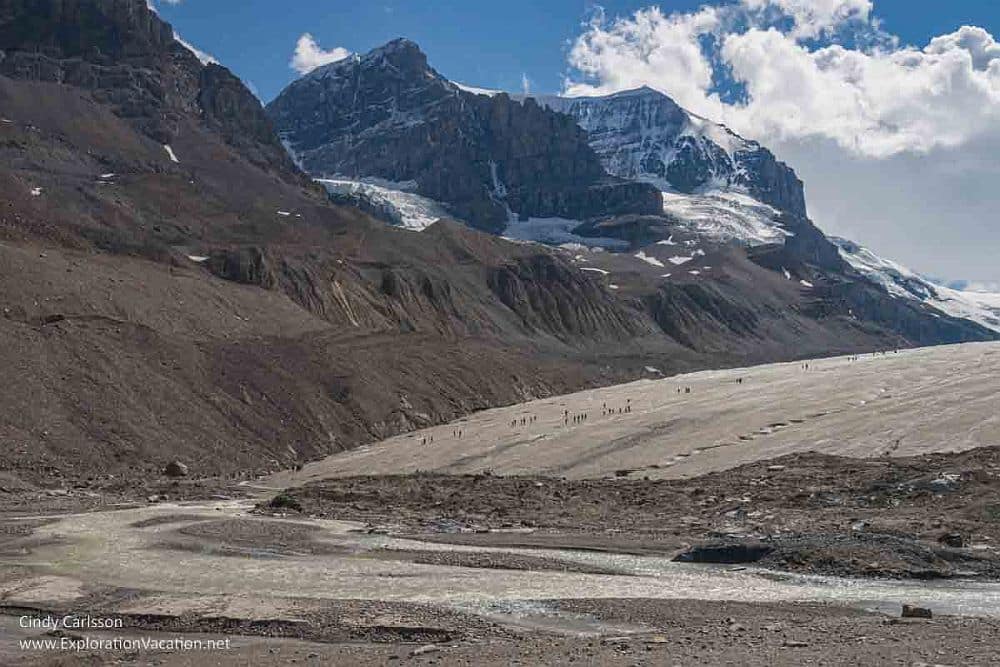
(806, 513)
(284, 501)
(911, 611)
(176, 469)
(55, 318)
(549, 296)
(248, 266)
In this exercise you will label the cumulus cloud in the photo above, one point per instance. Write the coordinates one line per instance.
(896, 143)
(813, 18)
(308, 55)
(876, 102)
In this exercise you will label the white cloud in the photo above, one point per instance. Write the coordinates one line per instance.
(875, 128)
(812, 18)
(308, 55)
(875, 102)
(650, 48)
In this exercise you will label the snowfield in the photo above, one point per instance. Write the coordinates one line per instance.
(649, 260)
(980, 307)
(726, 215)
(557, 231)
(396, 201)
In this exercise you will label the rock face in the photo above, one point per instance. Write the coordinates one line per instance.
(129, 59)
(388, 114)
(643, 134)
(548, 297)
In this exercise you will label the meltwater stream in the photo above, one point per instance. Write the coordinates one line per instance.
(114, 548)
(660, 577)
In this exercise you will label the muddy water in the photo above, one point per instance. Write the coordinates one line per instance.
(106, 548)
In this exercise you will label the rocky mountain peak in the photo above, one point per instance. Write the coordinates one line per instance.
(389, 114)
(401, 52)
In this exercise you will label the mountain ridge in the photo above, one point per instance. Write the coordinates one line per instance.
(644, 134)
(388, 114)
(715, 186)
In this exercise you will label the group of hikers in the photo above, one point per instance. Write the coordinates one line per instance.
(606, 411)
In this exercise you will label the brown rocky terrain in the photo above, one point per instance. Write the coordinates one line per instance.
(672, 632)
(920, 517)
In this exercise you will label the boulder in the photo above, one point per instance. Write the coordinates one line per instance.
(726, 553)
(176, 469)
(911, 611)
(956, 540)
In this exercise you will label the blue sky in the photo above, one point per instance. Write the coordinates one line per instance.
(490, 44)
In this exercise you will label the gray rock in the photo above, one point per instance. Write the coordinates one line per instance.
(911, 611)
(176, 469)
(956, 540)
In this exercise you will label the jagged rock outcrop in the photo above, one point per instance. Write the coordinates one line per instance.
(388, 114)
(695, 315)
(247, 266)
(129, 59)
(551, 298)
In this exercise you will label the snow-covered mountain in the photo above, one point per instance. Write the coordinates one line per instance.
(622, 179)
(980, 307)
(643, 134)
(713, 180)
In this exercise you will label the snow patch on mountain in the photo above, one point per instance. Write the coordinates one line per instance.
(730, 142)
(395, 201)
(642, 134)
(709, 175)
(648, 259)
(980, 307)
(726, 216)
(558, 232)
(476, 90)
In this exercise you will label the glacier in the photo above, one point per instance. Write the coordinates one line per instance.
(980, 307)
